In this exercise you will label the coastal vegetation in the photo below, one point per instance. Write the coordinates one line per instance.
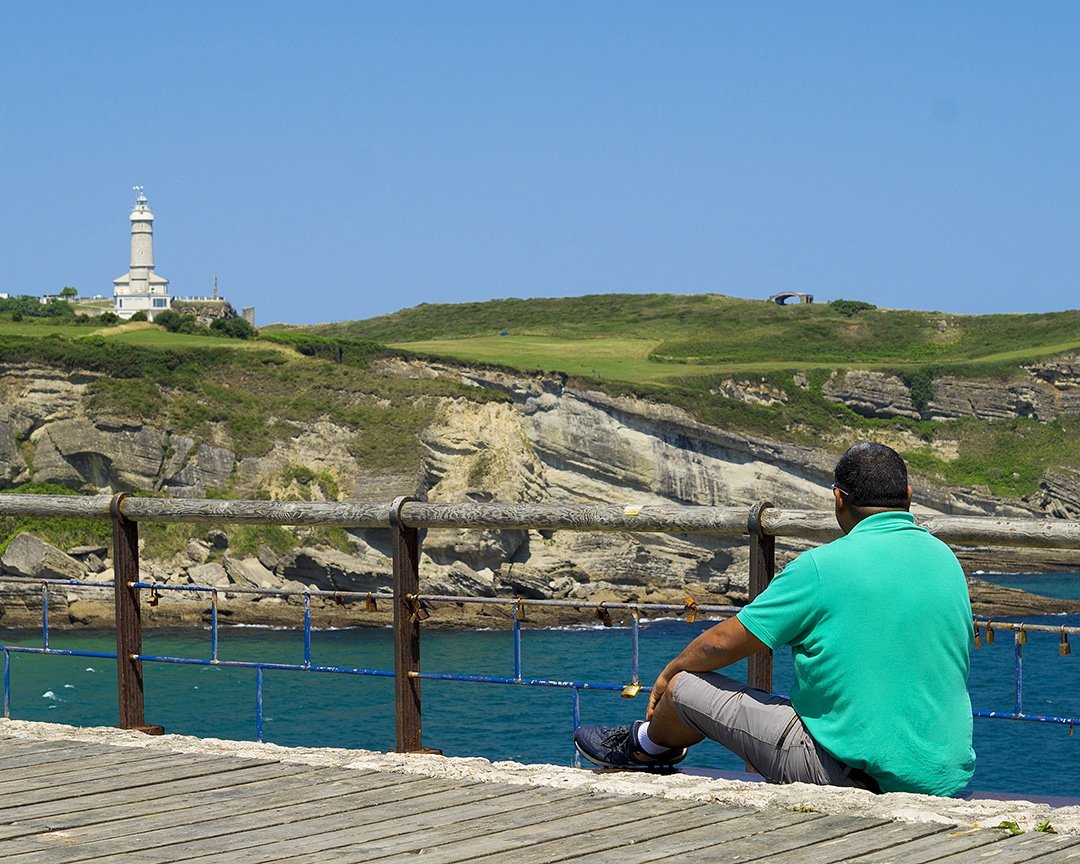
(685, 350)
(682, 349)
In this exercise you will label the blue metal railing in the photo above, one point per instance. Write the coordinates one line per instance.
(984, 631)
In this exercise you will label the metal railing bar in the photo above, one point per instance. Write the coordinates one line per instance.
(35, 580)
(259, 664)
(1034, 718)
(524, 682)
(60, 652)
(1023, 627)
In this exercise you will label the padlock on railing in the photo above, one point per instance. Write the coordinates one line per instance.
(690, 610)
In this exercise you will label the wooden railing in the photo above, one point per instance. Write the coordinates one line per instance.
(406, 518)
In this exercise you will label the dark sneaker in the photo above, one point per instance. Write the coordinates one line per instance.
(617, 747)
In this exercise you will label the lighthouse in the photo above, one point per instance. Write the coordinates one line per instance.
(141, 289)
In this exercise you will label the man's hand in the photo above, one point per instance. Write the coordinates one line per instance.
(659, 688)
(726, 643)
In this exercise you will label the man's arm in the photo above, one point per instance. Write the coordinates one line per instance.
(726, 643)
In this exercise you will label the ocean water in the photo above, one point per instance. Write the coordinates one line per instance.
(524, 724)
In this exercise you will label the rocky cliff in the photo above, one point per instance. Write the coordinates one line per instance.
(1044, 392)
(549, 441)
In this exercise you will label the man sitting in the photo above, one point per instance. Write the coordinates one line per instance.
(879, 624)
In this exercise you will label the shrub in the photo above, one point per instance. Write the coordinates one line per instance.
(233, 328)
(108, 318)
(168, 319)
(353, 352)
(921, 384)
(139, 316)
(32, 307)
(848, 308)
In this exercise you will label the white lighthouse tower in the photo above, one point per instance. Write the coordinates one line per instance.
(141, 288)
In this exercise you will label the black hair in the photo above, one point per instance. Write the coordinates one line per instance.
(872, 475)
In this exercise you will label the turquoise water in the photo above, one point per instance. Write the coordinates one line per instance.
(526, 724)
(1062, 585)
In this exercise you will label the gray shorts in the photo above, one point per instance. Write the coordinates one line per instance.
(760, 728)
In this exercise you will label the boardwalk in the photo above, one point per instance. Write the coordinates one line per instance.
(67, 801)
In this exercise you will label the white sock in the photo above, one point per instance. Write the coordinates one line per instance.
(646, 743)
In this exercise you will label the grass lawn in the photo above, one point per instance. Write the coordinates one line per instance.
(627, 359)
(613, 359)
(151, 336)
(42, 330)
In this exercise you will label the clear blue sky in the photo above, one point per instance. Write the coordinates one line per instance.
(338, 160)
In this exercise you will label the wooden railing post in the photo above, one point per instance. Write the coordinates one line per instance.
(129, 678)
(406, 548)
(762, 570)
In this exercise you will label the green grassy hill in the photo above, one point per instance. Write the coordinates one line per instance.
(682, 349)
(255, 392)
(721, 333)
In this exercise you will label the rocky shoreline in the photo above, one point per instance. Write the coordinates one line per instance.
(347, 591)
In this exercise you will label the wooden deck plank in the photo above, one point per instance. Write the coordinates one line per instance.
(521, 804)
(331, 832)
(892, 835)
(79, 770)
(707, 833)
(1059, 857)
(626, 839)
(325, 844)
(15, 751)
(80, 845)
(117, 807)
(98, 772)
(226, 782)
(207, 805)
(1032, 846)
(325, 830)
(287, 805)
(206, 768)
(73, 762)
(797, 835)
(951, 841)
(467, 840)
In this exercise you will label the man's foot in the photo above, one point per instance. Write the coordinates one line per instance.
(617, 747)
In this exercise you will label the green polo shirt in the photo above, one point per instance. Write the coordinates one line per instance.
(879, 624)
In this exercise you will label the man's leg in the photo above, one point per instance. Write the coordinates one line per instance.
(667, 729)
(761, 728)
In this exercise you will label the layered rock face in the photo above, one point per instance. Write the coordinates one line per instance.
(549, 442)
(48, 435)
(1049, 390)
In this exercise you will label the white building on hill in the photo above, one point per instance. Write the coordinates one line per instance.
(141, 288)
